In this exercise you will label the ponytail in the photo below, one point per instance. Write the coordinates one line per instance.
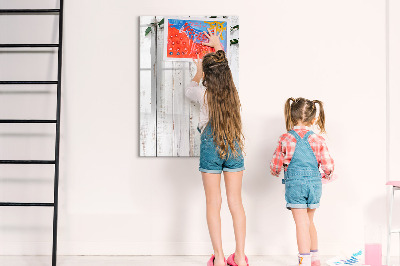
(288, 114)
(321, 116)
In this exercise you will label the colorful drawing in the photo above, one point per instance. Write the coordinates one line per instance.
(183, 37)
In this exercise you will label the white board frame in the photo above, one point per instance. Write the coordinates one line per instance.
(165, 132)
(228, 36)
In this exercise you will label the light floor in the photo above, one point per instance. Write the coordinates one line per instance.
(136, 260)
(142, 260)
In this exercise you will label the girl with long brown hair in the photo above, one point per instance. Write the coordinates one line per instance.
(301, 153)
(221, 147)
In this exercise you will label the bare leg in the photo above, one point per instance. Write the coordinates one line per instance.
(233, 183)
(313, 230)
(212, 188)
(302, 221)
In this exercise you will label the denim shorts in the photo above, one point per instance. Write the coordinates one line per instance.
(303, 193)
(210, 160)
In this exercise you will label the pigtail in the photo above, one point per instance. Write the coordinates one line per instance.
(321, 116)
(288, 114)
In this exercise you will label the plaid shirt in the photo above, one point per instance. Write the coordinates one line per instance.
(287, 144)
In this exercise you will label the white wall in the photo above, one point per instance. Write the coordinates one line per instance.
(393, 109)
(114, 202)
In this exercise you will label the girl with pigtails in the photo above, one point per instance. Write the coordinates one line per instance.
(302, 154)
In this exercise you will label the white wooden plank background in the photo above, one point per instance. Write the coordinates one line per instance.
(194, 118)
(147, 90)
(180, 109)
(168, 121)
(165, 134)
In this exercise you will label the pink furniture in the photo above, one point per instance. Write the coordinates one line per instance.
(373, 254)
(394, 185)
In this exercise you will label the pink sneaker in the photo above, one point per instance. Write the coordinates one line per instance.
(231, 260)
(316, 263)
(211, 261)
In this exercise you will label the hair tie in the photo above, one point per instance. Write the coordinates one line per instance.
(219, 64)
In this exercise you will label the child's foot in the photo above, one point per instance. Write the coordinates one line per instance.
(304, 260)
(240, 260)
(216, 261)
(237, 260)
(315, 258)
(316, 263)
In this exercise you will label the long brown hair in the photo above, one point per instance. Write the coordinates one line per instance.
(223, 104)
(303, 110)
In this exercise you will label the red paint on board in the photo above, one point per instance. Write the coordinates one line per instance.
(181, 46)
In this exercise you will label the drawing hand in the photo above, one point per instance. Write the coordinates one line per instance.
(213, 39)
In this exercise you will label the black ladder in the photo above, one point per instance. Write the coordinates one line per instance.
(57, 82)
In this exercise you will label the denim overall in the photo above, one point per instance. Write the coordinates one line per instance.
(302, 181)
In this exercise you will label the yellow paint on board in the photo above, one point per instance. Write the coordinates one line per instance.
(219, 26)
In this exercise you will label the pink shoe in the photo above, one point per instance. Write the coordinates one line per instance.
(316, 263)
(231, 260)
(211, 261)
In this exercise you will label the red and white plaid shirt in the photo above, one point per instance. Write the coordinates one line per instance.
(287, 144)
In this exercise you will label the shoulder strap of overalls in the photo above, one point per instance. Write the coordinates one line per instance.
(294, 133)
(309, 133)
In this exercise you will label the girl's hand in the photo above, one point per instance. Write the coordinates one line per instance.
(199, 72)
(213, 39)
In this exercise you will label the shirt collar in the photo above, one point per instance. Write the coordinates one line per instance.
(302, 127)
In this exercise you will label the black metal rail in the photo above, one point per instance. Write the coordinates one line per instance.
(57, 146)
(29, 11)
(56, 161)
(28, 204)
(27, 161)
(28, 45)
(26, 121)
(29, 82)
